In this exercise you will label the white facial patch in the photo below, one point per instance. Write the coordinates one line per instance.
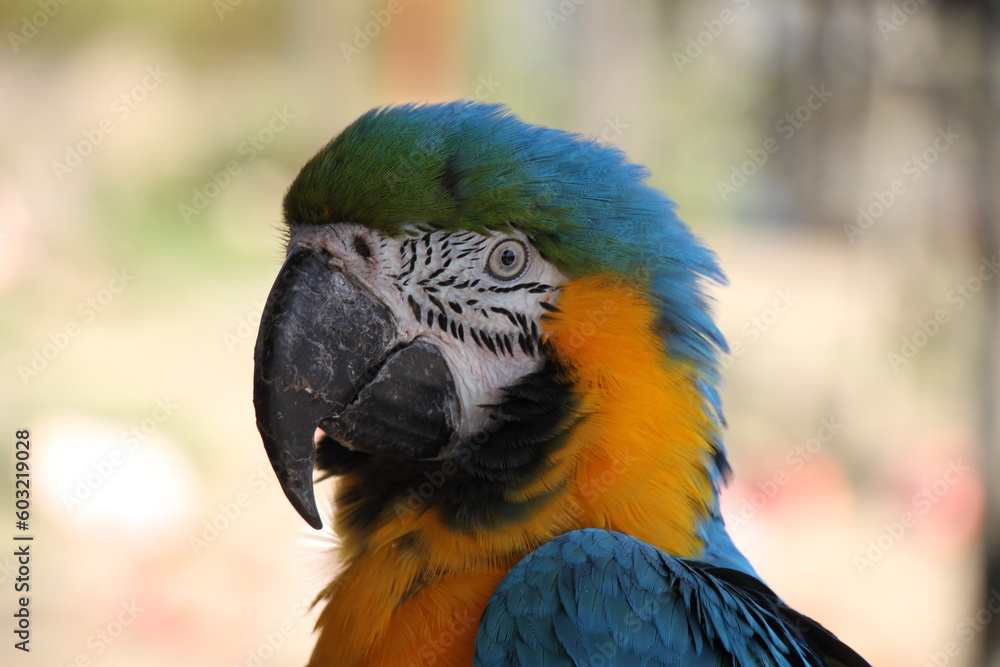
(478, 298)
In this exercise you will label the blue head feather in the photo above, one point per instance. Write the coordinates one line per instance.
(587, 209)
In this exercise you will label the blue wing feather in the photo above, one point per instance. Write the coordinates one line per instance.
(596, 597)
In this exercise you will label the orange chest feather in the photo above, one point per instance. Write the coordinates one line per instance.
(640, 456)
(635, 462)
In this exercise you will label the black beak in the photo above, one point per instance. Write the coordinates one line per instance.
(326, 357)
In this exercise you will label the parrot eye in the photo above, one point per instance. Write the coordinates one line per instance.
(508, 259)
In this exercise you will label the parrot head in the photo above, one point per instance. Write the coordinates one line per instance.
(463, 298)
(496, 337)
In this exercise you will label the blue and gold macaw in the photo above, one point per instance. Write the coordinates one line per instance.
(496, 337)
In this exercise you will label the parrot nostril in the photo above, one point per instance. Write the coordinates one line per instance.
(361, 247)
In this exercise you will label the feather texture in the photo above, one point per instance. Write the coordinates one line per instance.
(477, 167)
(610, 599)
(590, 507)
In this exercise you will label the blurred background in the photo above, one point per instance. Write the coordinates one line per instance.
(841, 157)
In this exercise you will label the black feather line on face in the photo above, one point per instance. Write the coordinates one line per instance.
(530, 424)
(505, 339)
(411, 247)
(414, 306)
(526, 344)
(437, 303)
(488, 343)
(506, 313)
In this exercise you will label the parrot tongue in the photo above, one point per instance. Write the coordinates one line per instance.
(324, 358)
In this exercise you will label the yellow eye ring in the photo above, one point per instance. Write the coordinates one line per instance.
(507, 260)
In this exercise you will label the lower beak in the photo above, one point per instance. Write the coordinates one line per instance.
(326, 356)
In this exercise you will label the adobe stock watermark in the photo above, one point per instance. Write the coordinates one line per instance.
(272, 642)
(956, 299)
(230, 511)
(7, 568)
(433, 649)
(966, 632)
(101, 639)
(913, 168)
(714, 28)
(418, 496)
(612, 129)
(585, 328)
(366, 33)
(101, 471)
(592, 488)
(753, 329)
(570, 511)
(794, 461)
(245, 329)
(248, 150)
(59, 340)
(900, 14)
(121, 108)
(31, 25)
(562, 12)
(410, 164)
(223, 7)
(785, 127)
(485, 87)
(923, 501)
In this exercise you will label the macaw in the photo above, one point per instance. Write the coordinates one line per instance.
(496, 337)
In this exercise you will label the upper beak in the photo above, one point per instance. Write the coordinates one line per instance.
(326, 356)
